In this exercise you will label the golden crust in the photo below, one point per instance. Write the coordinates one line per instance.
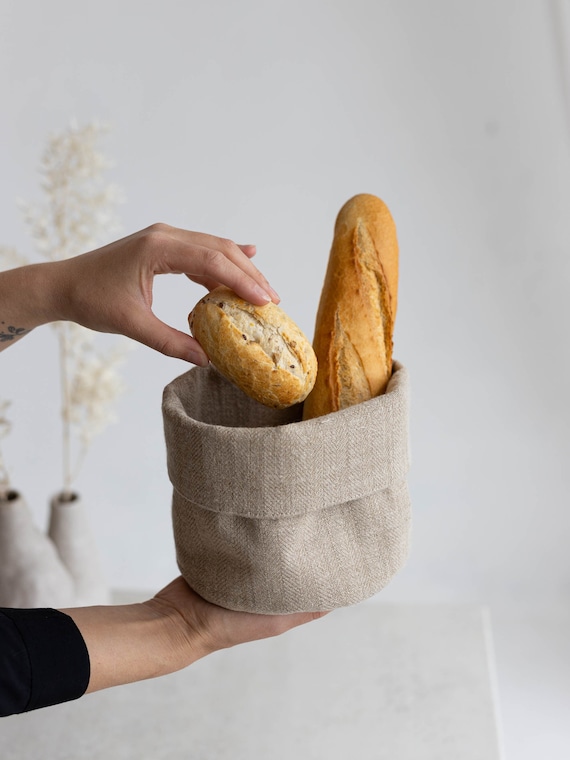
(259, 348)
(357, 310)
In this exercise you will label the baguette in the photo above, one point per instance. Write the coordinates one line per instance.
(259, 348)
(355, 319)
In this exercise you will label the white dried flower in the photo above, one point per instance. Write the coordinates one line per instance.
(95, 386)
(80, 208)
(79, 213)
(10, 258)
(5, 425)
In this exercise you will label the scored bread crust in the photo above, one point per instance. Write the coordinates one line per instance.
(259, 348)
(355, 319)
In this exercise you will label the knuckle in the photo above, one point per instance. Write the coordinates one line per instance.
(214, 259)
(228, 246)
(159, 227)
(165, 346)
(154, 237)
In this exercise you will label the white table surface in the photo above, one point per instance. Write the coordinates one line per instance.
(371, 682)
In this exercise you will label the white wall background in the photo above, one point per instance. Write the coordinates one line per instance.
(257, 120)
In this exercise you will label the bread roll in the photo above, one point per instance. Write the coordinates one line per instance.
(357, 309)
(259, 348)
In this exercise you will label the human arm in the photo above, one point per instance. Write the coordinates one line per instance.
(110, 289)
(50, 656)
(167, 633)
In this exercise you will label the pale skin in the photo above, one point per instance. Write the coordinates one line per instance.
(110, 290)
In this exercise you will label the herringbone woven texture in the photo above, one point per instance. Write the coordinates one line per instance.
(275, 515)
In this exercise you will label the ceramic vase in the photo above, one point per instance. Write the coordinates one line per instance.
(31, 571)
(71, 534)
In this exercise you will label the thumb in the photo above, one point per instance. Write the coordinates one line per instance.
(154, 333)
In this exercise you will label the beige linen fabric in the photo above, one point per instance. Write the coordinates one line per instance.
(275, 515)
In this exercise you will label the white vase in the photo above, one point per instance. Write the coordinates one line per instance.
(71, 534)
(31, 572)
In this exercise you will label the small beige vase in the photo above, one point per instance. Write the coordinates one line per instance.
(31, 572)
(71, 534)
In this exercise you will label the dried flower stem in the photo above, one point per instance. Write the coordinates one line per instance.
(57, 196)
(79, 211)
(65, 402)
(4, 482)
(4, 430)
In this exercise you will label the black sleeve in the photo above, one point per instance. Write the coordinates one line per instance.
(43, 660)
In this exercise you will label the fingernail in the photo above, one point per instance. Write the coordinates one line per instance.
(261, 293)
(197, 357)
(275, 294)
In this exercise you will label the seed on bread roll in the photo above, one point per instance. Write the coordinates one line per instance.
(357, 309)
(259, 348)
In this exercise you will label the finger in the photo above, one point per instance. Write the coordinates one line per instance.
(207, 282)
(217, 267)
(283, 623)
(152, 332)
(249, 250)
(210, 284)
(233, 253)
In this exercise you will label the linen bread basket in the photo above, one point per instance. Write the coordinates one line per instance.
(276, 515)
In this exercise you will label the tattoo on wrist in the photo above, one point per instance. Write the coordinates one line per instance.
(11, 332)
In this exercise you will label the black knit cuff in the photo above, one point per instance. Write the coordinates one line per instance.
(58, 656)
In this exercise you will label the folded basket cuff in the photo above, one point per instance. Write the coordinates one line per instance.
(231, 455)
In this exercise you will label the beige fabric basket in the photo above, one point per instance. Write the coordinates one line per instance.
(275, 515)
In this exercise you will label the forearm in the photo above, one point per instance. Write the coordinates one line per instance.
(28, 298)
(167, 633)
(133, 642)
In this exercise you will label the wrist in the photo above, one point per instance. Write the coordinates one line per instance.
(183, 641)
(46, 285)
(31, 295)
(133, 642)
